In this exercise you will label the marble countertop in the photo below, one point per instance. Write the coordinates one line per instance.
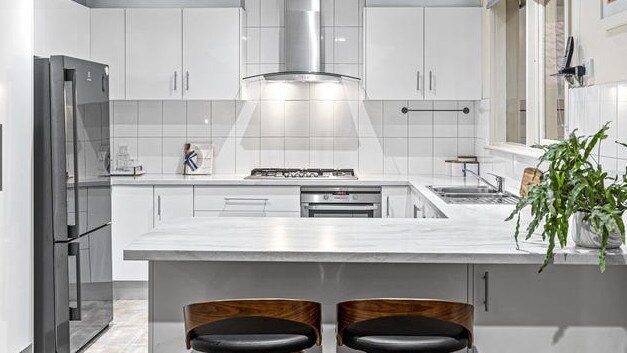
(470, 234)
(177, 179)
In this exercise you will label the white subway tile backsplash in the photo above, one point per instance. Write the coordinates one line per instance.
(466, 122)
(297, 118)
(174, 119)
(346, 153)
(321, 152)
(327, 11)
(248, 120)
(394, 121)
(347, 13)
(395, 156)
(466, 146)
(297, 152)
(253, 44)
(272, 13)
(272, 118)
(420, 123)
(246, 154)
(346, 45)
(327, 45)
(345, 118)
(253, 12)
(149, 154)
(444, 123)
(321, 122)
(443, 149)
(198, 119)
(223, 118)
(224, 155)
(371, 119)
(150, 119)
(172, 155)
(272, 152)
(125, 119)
(420, 156)
(370, 156)
(271, 40)
(621, 129)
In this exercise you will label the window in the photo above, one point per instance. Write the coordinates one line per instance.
(554, 86)
(526, 46)
(516, 62)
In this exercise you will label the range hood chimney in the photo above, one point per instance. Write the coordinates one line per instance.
(302, 46)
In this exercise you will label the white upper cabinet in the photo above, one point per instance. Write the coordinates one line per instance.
(394, 53)
(107, 46)
(153, 54)
(453, 53)
(415, 53)
(211, 53)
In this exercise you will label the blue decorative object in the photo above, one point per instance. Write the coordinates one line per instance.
(189, 160)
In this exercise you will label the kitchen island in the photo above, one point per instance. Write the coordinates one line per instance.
(469, 256)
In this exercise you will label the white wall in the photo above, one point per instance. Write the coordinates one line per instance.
(607, 49)
(61, 28)
(16, 244)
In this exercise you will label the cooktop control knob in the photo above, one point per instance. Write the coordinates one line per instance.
(326, 197)
(355, 197)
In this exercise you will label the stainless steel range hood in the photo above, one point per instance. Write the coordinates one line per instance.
(302, 46)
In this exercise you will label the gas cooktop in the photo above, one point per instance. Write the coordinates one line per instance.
(279, 173)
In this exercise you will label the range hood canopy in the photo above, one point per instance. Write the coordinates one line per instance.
(302, 46)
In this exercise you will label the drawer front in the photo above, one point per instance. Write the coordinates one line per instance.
(217, 214)
(247, 199)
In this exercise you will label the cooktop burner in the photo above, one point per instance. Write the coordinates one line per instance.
(275, 173)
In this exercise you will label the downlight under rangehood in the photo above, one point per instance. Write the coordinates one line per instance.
(302, 46)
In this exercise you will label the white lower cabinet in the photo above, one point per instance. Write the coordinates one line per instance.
(395, 202)
(132, 215)
(172, 202)
(565, 309)
(421, 207)
(246, 201)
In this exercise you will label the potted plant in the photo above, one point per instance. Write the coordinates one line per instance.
(575, 196)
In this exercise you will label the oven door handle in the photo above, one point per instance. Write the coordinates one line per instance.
(342, 207)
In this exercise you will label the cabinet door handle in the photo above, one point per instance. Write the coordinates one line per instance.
(418, 80)
(176, 78)
(159, 207)
(430, 80)
(486, 284)
(187, 80)
(387, 206)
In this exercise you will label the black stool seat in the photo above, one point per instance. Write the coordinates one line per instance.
(263, 343)
(402, 344)
(405, 325)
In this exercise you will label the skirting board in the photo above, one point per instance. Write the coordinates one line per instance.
(130, 290)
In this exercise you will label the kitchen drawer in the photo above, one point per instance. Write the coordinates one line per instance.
(217, 214)
(247, 199)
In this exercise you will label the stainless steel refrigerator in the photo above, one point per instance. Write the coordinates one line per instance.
(72, 200)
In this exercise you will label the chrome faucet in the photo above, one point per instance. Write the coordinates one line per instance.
(500, 181)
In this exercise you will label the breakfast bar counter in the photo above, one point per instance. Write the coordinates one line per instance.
(469, 255)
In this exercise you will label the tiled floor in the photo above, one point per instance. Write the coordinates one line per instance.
(128, 333)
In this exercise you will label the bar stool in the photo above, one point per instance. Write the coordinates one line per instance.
(404, 325)
(252, 326)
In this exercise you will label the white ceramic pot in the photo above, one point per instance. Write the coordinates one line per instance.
(583, 234)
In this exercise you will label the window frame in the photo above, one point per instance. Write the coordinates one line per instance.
(535, 89)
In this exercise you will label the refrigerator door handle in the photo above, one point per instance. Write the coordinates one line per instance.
(70, 76)
(74, 249)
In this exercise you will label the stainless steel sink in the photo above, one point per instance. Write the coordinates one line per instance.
(473, 195)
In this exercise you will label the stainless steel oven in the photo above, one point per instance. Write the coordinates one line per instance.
(340, 202)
